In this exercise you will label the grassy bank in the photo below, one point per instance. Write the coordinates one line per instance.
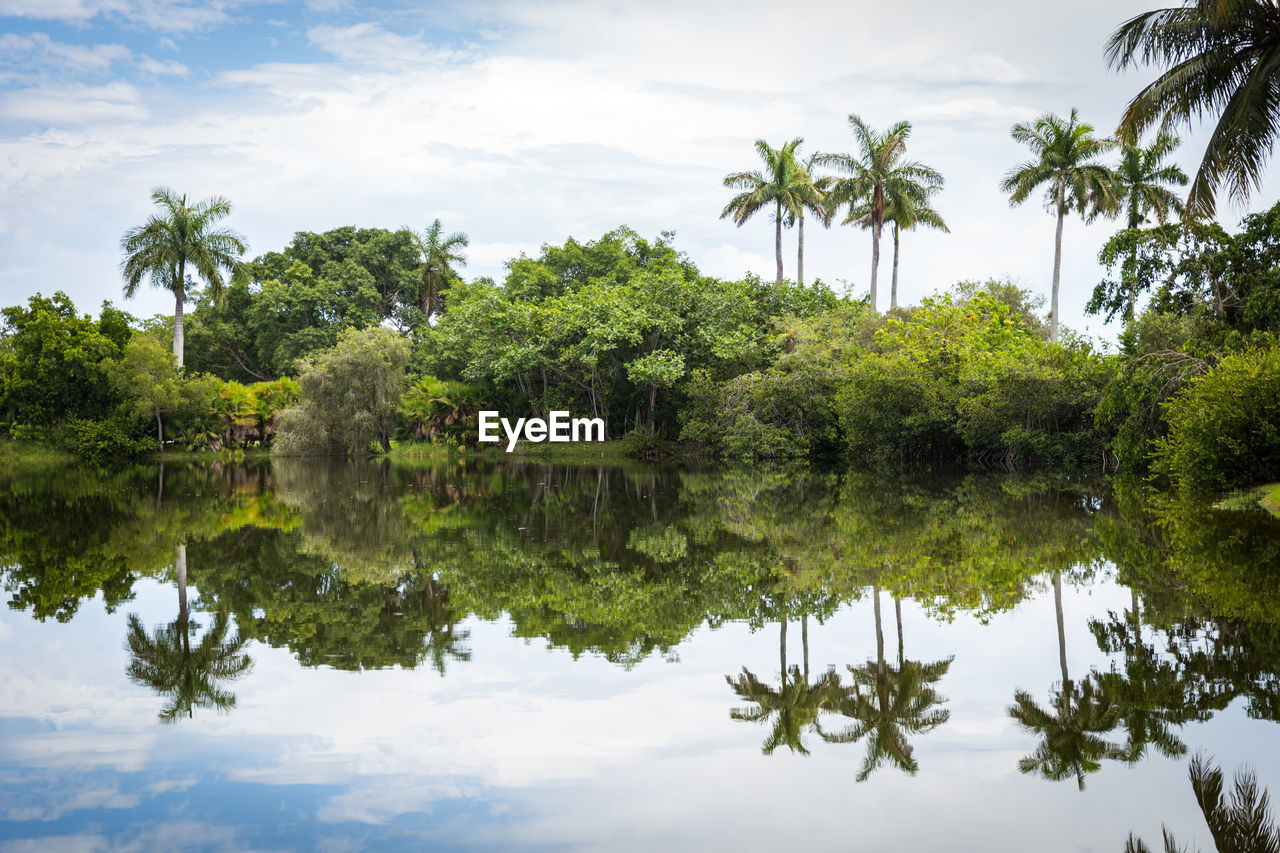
(18, 455)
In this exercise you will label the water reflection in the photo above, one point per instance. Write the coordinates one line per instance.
(367, 567)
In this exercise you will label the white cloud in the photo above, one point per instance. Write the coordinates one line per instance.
(163, 15)
(73, 105)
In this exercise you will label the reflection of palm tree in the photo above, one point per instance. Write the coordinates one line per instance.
(166, 662)
(443, 642)
(795, 705)
(1240, 824)
(189, 677)
(1072, 745)
(1147, 690)
(891, 703)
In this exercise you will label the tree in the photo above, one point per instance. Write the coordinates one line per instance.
(1072, 742)
(1141, 188)
(1222, 58)
(783, 182)
(813, 197)
(1066, 163)
(160, 249)
(876, 176)
(907, 210)
(146, 377)
(350, 396)
(190, 677)
(1240, 823)
(439, 255)
(51, 360)
(889, 703)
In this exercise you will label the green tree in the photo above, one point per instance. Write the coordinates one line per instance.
(349, 396)
(1221, 57)
(51, 360)
(813, 197)
(440, 254)
(1142, 181)
(876, 176)
(1065, 162)
(782, 183)
(160, 250)
(908, 209)
(146, 378)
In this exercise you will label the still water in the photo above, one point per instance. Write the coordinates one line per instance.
(301, 656)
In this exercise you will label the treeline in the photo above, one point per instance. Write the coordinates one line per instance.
(629, 330)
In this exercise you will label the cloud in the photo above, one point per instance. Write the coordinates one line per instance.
(174, 16)
(73, 105)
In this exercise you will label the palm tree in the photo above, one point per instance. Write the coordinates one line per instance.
(161, 249)
(794, 706)
(875, 176)
(1066, 163)
(1222, 58)
(166, 663)
(189, 677)
(890, 703)
(1072, 744)
(1239, 824)
(1142, 187)
(439, 256)
(906, 211)
(813, 197)
(782, 183)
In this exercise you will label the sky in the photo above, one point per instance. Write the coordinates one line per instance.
(523, 124)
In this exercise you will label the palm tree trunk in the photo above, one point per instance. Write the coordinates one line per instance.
(893, 288)
(800, 252)
(180, 569)
(875, 261)
(159, 430)
(1062, 634)
(180, 296)
(782, 649)
(777, 240)
(879, 633)
(804, 641)
(897, 608)
(1057, 271)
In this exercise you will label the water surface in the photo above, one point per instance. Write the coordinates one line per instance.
(299, 656)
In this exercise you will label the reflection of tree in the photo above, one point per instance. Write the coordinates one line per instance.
(1147, 690)
(794, 706)
(1239, 823)
(189, 676)
(889, 704)
(1071, 742)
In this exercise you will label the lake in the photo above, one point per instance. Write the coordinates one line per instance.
(299, 655)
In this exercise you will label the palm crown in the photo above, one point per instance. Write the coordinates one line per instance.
(180, 235)
(875, 177)
(440, 254)
(1223, 57)
(783, 183)
(1065, 162)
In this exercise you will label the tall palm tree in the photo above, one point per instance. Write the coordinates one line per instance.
(1222, 58)
(782, 183)
(440, 254)
(1072, 742)
(1142, 181)
(875, 176)
(180, 235)
(906, 211)
(1065, 162)
(812, 194)
(888, 704)
(166, 662)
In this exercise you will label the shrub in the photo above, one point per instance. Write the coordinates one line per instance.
(1224, 428)
(101, 441)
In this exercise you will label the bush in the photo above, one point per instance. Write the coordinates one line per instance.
(100, 441)
(1224, 428)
